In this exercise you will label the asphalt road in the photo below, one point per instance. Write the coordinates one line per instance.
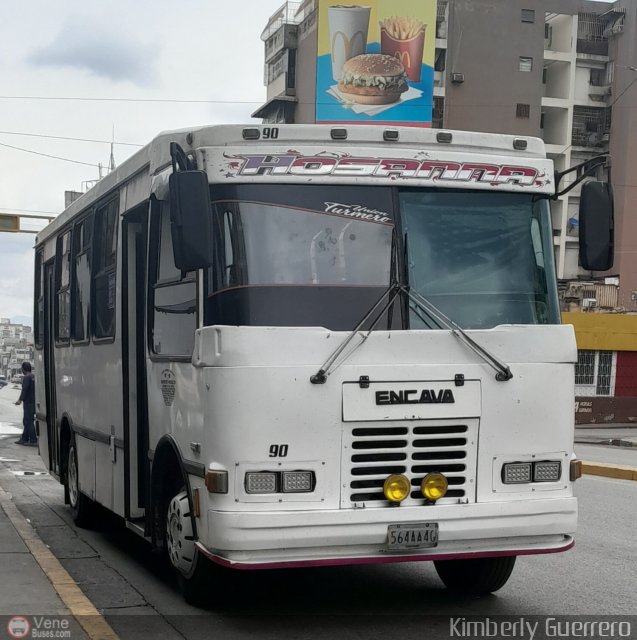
(130, 584)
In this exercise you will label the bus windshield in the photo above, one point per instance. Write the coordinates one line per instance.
(483, 259)
(319, 255)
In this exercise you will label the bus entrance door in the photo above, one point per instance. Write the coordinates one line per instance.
(136, 470)
(52, 429)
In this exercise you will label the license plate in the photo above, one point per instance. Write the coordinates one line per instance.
(412, 536)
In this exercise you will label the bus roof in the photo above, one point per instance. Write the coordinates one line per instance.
(155, 156)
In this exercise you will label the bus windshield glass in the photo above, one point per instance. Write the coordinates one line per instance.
(320, 255)
(482, 258)
(298, 255)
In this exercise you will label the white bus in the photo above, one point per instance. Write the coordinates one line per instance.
(304, 345)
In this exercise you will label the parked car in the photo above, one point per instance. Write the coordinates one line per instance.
(17, 379)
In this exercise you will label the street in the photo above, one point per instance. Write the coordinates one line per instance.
(125, 579)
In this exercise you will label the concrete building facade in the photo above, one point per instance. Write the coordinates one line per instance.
(563, 70)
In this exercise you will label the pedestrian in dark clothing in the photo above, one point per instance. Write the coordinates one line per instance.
(27, 398)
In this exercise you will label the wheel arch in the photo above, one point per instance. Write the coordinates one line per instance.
(167, 468)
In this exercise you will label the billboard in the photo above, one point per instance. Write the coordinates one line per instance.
(375, 62)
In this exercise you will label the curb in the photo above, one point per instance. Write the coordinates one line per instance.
(80, 607)
(615, 442)
(618, 471)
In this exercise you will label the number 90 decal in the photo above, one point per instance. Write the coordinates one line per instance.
(270, 133)
(278, 450)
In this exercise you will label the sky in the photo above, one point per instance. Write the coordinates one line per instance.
(198, 50)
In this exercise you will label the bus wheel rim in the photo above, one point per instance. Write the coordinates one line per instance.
(72, 478)
(180, 541)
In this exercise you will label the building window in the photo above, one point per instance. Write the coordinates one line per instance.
(437, 116)
(104, 271)
(522, 110)
(63, 292)
(526, 64)
(604, 372)
(528, 15)
(595, 373)
(585, 367)
(440, 62)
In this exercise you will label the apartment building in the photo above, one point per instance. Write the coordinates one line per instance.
(563, 70)
(16, 346)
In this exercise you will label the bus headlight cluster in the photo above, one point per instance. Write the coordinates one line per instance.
(279, 481)
(526, 472)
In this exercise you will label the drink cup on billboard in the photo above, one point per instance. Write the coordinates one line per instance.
(404, 38)
(349, 26)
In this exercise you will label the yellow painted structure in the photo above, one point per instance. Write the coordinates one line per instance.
(604, 331)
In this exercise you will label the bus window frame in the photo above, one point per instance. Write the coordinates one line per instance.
(152, 280)
(82, 218)
(62, 342)
(38, 299)
(98, 208)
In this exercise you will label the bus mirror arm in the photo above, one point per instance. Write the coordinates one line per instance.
(582, 171)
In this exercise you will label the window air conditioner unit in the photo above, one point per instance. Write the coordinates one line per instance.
(457, 78)
(589, 303)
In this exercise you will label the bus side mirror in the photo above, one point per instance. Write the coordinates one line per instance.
(596, 222)
(191, 219)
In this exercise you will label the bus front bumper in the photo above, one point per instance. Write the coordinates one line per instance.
(277, 539)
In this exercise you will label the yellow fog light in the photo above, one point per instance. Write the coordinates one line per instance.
(434, 486)
(396, 488)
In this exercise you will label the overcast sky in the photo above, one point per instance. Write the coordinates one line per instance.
(151, 49)
(190, 50)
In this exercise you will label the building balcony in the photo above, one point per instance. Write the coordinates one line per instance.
(285, 37)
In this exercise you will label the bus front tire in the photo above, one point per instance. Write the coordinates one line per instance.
(82, 507)
(193, 570)
(477, 577)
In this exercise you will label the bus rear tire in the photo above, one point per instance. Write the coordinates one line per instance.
(194, 571)
(476, 577)
(82, 507)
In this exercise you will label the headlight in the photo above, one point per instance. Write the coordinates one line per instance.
(547, 471)
(260, 482)
(298, 481)
(396, 488)
(516, 472)
(434, 486)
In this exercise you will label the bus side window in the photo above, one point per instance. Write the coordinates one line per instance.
(174, 297)
(38, 315)
(105, 271)
(63, 290)
(81, 279)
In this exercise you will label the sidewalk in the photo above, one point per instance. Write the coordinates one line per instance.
(24, 587)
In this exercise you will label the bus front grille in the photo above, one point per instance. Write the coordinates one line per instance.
(374, 452)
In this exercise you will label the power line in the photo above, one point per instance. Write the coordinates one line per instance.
(167, 100)
(47, 155)
(28, 210)
(43, 135)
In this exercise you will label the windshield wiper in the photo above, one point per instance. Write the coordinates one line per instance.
(395, 289)
(391, 293)
(503, 372)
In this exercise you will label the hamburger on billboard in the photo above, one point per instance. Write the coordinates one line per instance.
(375, 62)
